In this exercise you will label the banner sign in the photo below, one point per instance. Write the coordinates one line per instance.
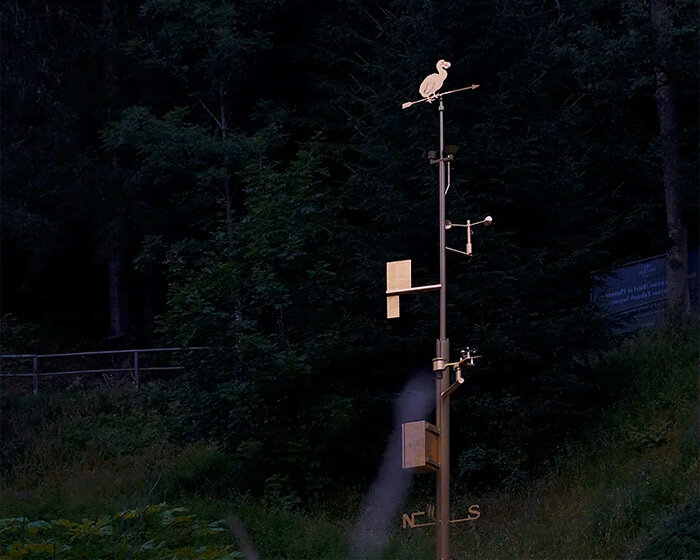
(634, 295)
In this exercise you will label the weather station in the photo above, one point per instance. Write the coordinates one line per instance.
(426, 446)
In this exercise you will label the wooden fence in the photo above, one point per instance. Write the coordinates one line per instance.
(135, 363)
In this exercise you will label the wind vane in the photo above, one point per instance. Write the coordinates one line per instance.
(433, 82)
(426, 447)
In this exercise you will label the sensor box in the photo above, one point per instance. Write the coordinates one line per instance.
(419, 445)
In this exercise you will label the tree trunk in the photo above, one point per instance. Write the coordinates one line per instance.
(227, 178)
(147, 289)
(118, 309)
(116, 237)
(678, 303)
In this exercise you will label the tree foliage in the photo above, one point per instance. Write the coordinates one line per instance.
(261, 172)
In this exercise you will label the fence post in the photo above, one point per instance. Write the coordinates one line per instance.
(136, 369)
(35, 371)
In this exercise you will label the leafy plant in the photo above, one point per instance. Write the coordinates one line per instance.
(152, 532)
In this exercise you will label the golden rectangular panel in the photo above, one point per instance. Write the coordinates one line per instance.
(392, 307)
(398, 275)
(419, 445)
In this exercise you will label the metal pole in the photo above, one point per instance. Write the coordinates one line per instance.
(442, 405)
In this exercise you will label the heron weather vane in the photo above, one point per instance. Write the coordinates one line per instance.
(433, 83)
(426, 447)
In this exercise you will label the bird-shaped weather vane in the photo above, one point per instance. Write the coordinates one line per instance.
(431, 85)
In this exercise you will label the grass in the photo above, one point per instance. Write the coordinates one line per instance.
(636, 468)
(628, 489)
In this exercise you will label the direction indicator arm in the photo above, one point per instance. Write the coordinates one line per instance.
(429, 288)
(398, 282)
(458, 251)
(438, 96)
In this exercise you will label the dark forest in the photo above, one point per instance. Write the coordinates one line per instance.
(235, 176)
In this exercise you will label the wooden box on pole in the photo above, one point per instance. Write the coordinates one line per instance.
(419, 446)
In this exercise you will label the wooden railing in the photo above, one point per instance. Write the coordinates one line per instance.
(134, 362)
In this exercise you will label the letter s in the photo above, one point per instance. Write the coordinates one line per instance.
(474, 510)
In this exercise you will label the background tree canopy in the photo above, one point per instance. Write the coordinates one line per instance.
(236, 175)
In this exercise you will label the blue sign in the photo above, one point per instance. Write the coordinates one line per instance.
(634, 296)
